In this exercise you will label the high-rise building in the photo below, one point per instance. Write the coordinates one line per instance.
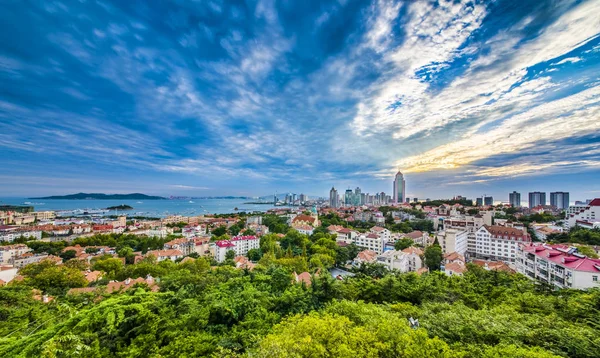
(333, 198)
(349, 197)
(514, 199)
(485, 200)
(536, 198)
(303, 198)
(399, 189)
(559, 199)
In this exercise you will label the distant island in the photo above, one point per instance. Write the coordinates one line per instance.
(120, 207)
(99, 196)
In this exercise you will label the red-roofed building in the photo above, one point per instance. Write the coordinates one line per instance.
(558, 265)
(162, 255)
(240, 245)
(587, 217)
(499, 243)
(305, 220)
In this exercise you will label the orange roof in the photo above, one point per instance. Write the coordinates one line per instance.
(413, 250)
(367, 255)
(455, 267)
(162, 253)
(305, 218)
(303, 277)
(93, 276)
(454, 256)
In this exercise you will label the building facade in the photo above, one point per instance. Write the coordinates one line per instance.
(499, 243)
(558, 265)
(559, 200)
(537, 198)
(514, 199)
(453, 240)
(240, 245)
(399, 195)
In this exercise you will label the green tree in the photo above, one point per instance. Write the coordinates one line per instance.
(229, 255)
(403, 244)
(254, 254)
(433, 257)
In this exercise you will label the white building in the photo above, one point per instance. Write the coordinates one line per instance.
(162, 255)
(558, 265)
(414, 257)
(240, 245)
(10, 233)
(453, 240)
(381, 232)
(394, 260)
(587, 217)
(370, 242)
(9, 252)
(499, 243)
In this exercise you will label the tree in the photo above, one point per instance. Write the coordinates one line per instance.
(110, 265)
(68, 255)
(229, 255)
(52, 278)
(254, 254)
(219, 231)
(433, 257)
(403, 244)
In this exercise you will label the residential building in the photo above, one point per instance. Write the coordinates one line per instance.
(170, 254)
(537, 198)
(394, 260)
(365, 256)
(414, 258)
(453, 240)
(240, 245)
(559, 200)
(334, 201)
(305, 220)
(587, 217)
(186, 246)
(514, 199)
(7, 274)
(485, 200)
(499, 243)
(399, 195)
(29, 258)
(381, 232)
(558, 265)
(9, 252)
(456, 268)
(370, 241)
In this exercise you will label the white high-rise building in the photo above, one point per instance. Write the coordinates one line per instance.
(399, 189)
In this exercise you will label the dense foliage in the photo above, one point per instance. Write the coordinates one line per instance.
(227, 312)
(577, 235)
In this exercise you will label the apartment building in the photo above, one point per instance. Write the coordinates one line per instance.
(586, 217)
(558, 265)
(370, 242)
(240, 245)
(9, 252)
(499, 243)
(453, 240)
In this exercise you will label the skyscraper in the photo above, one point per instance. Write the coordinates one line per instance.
(485, 200)
(349, 197)
(514, 199)
(536, 198)
(399, 189)
(559, 199)
(333, 198)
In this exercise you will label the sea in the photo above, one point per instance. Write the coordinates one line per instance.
(148, 208)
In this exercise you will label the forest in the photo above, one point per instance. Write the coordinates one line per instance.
(224, 312)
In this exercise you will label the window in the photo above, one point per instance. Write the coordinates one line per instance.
(595, 278)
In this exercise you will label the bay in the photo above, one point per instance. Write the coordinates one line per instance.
(150, 208)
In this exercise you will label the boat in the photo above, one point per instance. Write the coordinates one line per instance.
(191, 202)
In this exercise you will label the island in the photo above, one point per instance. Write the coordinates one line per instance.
(120, 207)
(100, 196)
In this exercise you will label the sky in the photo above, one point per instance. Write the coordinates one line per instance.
(215, 97)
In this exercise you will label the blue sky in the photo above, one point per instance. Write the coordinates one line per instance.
(252, 97)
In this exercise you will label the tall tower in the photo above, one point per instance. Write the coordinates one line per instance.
(333, 198)
(399, 189)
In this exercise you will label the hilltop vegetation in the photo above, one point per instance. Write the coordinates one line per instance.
(224, 312)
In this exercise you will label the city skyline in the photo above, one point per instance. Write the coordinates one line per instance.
(246, 99)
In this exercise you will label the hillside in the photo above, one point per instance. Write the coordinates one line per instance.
(100, 196)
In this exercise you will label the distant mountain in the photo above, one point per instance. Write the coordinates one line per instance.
(99, 196)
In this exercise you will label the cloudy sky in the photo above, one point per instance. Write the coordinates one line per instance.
(252, 97)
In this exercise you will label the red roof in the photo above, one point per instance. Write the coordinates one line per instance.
(238, 238)
(224, 243)
(595, 202)
(557, 254)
